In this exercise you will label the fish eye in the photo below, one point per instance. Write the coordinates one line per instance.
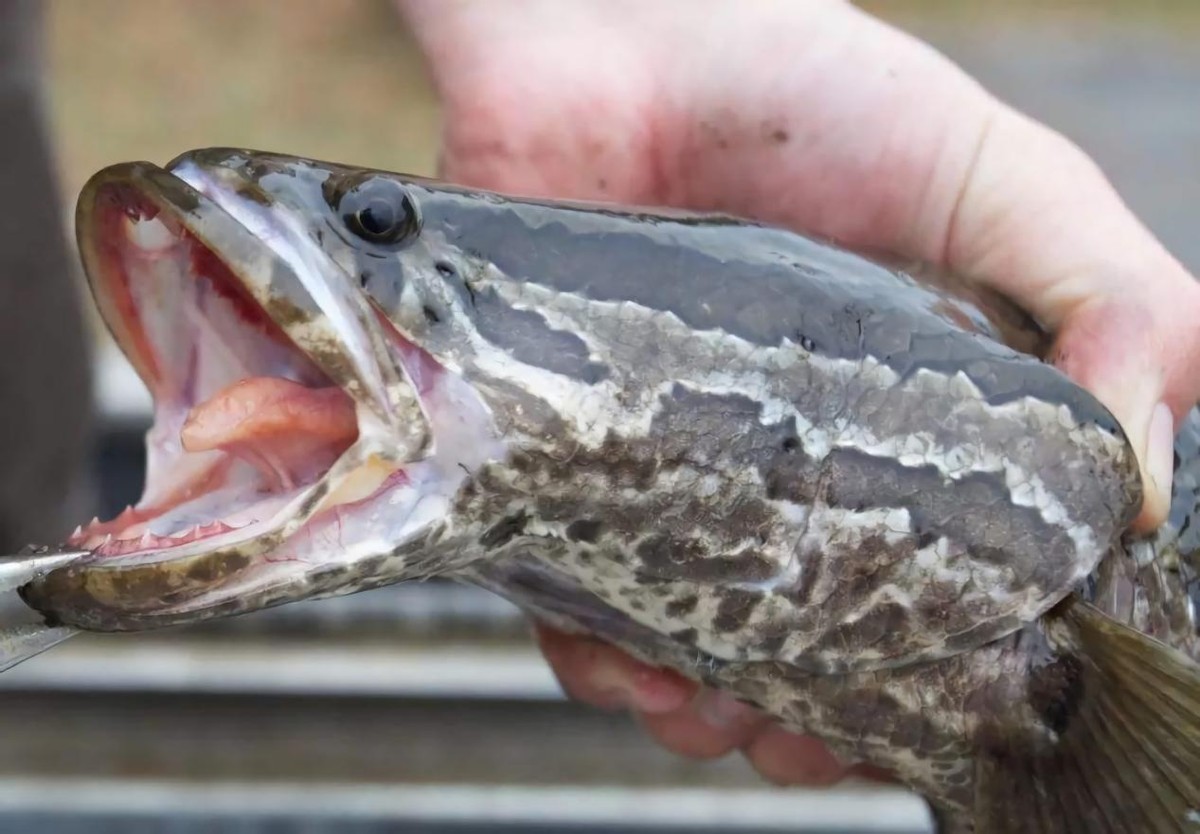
(380, 211)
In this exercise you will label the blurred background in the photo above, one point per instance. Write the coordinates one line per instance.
(419, 709)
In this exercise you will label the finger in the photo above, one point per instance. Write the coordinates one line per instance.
(709, 726)
(785, 758)
(870, 773)
(1113, 348)
(1035, 218)
(596, 673)
(1038, 220)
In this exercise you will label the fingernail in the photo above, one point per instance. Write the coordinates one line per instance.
(1159, 464)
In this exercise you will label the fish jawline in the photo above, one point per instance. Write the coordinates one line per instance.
(179, 313)
(335, 532)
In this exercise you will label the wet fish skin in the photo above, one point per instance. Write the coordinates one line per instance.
(828, 487)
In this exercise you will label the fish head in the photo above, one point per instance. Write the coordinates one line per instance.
(309, 435)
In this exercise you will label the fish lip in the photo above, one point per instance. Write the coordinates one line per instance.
(153, 587)
(126, 185)
(204, 206)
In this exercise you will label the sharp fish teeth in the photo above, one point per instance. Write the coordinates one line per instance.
(149, 235)
(78, 531)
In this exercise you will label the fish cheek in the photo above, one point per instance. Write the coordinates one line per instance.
(381, 278)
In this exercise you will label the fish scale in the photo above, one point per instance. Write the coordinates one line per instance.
(836, 491)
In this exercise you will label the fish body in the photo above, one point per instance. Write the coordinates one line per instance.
(855, 499)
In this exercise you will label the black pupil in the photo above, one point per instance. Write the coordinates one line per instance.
(378, 217)
(380, 211)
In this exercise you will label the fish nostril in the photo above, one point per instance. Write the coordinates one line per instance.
(446, 270)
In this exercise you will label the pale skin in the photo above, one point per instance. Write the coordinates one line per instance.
(812, 115)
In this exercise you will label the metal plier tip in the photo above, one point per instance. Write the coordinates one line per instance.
(23, 632)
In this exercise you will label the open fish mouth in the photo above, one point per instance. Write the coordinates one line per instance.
(285, 404)
(244, 421)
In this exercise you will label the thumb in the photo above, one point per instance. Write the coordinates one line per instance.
(1038, 221)
(1122, 353)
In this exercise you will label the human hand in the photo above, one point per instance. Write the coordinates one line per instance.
(817, 117)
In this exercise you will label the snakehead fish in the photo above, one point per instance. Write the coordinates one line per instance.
(857, 499)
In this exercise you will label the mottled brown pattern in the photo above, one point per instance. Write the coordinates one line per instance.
(663, 557)
(771, 465)
(735, 608)
(1055, 691)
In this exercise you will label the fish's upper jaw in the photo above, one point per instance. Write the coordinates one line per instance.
(285, 415)
(161, 263)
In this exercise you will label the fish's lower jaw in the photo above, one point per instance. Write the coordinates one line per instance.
(370, 520)
(347, 549)
(359, 509)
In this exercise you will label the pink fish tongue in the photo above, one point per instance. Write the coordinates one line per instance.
(289, 432)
